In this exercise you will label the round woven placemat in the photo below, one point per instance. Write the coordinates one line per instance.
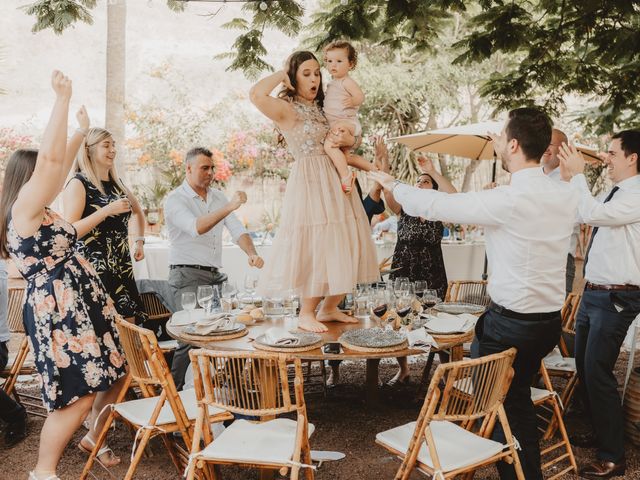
(269, 348)
(394, 348)
(213, 338)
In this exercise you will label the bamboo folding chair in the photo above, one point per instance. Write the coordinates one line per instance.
(19, 365)
(468, 291)
(559, 363)
(452, 433)
(252, 384)
(547, 400)
(156, 311)
(162, 410)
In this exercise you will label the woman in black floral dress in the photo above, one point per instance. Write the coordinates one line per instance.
(68, 316)
(100, 206)
(418, 253)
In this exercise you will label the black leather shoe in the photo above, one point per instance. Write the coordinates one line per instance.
(16, 431)
(586, 440)
(603, 469)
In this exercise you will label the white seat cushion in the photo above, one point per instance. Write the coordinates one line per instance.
(566, 364)
(139, 411)
(168, 344)
(456, 447)
(269, 442)
(539, 394)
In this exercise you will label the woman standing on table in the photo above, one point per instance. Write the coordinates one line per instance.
(68, 316)
(418, 251)
(323, 246)
(100, 206)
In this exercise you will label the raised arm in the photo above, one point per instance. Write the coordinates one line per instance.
(276, 109)
(357, 96)
(426, 166)
(73, 145)
(39, 191)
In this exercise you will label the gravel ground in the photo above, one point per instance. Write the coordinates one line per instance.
(342, 423)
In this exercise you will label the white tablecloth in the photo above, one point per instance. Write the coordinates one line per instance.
(462, 261)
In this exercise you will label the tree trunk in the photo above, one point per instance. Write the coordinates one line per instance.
(116, 68)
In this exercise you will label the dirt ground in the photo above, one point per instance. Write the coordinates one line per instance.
(342, 422)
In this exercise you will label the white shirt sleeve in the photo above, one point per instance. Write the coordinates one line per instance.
(489, 207)
(620, 210)
(180, 215)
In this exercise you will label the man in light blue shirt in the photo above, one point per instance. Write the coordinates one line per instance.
(195, 215)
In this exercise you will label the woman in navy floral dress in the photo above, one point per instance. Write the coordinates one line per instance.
(68, 316)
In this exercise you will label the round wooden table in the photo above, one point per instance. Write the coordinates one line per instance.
(445, 342)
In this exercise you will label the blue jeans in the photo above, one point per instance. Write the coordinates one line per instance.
(600, 331)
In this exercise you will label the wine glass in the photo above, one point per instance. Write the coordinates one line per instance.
(379, 305)
(419, 286)
(188, 301)
(429, 300)
(250, 284)
(228, 293)
(204, 296)
(397, 283)
(404, 305)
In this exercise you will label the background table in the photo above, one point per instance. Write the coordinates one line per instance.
(463, 261)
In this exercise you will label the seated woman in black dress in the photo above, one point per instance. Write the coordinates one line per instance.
(418, 253)
(99, 206)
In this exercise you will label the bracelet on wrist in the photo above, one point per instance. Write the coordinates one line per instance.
(140, 239)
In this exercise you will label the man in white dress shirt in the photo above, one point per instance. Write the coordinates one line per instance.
(528, 225)
(195, 214)
(611, 298)
(551, 167)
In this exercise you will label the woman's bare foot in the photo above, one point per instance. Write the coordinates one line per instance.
(401, 377)
(308, 322)
(335, 315)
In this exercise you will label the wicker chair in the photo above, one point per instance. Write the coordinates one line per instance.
(452, 433)
(252, 384)
(162, 410)
(549, 406)
(156, 311)
(468, 291)
(19, 364)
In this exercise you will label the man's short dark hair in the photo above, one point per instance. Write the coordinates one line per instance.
(531, 127)
(194, 152)
(630, 143)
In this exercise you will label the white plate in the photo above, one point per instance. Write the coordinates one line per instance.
(183, 317)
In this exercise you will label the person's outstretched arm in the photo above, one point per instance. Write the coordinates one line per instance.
(50, 170)
(444, 185)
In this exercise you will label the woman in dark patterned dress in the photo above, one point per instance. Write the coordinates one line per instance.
(68, 316)
(100, 206)
(418, 253)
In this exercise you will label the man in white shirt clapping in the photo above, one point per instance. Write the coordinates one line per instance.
(528, 225)
(611, 298)
(195, 214)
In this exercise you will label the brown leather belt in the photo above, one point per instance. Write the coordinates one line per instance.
(595, 286)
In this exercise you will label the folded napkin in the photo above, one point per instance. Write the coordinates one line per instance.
(215, 323)
(448, 323)
(280, 336)
(421, 340)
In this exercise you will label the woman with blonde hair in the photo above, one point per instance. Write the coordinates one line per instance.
(99, 206)
(68, 316)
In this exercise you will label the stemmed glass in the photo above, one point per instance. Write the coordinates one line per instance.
(399, 284)
(204, 296)
(250, 284)
(403, 305)
(188, 301)
(429, 300)
(379, 306)
(228, 293)
(419, 286)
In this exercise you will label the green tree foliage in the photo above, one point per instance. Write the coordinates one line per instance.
(565, 47)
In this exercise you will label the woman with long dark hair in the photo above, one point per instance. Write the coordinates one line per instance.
(323, 246)
(67, 314)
